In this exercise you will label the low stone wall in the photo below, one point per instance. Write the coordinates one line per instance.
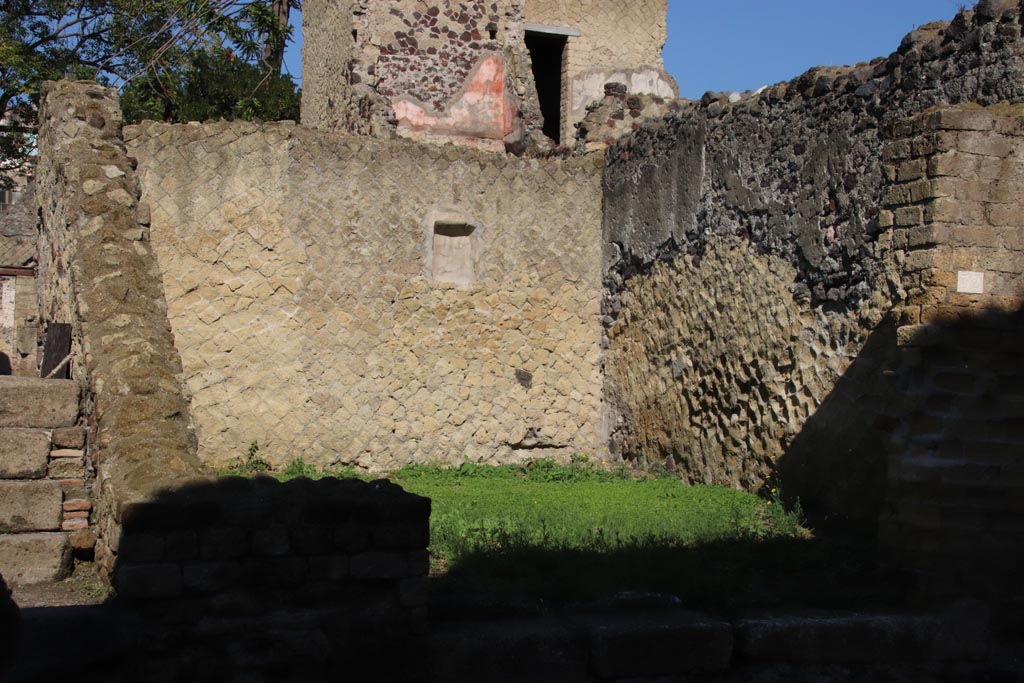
(669, 644)
(242, 577)
(356, 301)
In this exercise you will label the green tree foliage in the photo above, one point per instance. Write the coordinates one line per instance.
(216, 85)
(163, 52)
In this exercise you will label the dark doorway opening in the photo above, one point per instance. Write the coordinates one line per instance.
(546, 52)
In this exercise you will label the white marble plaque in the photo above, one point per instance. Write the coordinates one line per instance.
(970, 282)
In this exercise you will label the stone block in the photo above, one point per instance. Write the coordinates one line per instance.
(509, 651)
(311, 539)
(30, 506)
(29, 402)
(380, 565)
(849, 639)
(66, 468)
(908, 216)
(275, 571)
(914, 169)
(965, 118)
(413, 535)
(137, 547)
(272, 540)
(148, 581)
(68, 437)
(34, 558)
(659, 644)
(223, 543)
(23, 453)
(82, 540)
(984, 144)
(209, 577)
(328, 567)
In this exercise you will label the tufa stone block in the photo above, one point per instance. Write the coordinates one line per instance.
(30, 506)
(68, 437)
(34, 558)
(23, 453)
(29, 402)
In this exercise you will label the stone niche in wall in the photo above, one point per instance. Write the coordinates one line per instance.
(454, 252)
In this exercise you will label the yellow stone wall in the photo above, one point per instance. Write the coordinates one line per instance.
(297, 271)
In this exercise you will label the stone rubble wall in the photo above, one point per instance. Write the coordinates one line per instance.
(297, 270)
(619, 42)
(412, 69)
(746, 277)
(617, 114)
(327, 50)
(97, 271)
(461, 71)
(956, 203)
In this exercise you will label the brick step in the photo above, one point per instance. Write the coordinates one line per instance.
(30, 402)
(24, 453)
(34, 558)
(27, 506)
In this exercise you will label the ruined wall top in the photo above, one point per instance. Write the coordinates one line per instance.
(508, 74)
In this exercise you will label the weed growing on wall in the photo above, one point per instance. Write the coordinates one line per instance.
(251, 464)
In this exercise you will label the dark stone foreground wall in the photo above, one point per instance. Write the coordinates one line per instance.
(746, 268)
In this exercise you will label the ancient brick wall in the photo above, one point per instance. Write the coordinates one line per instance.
(315, 314)
(956, 204)
(776, 198)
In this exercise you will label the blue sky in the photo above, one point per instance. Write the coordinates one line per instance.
(744, 44)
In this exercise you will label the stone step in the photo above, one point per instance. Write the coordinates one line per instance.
(23, 453)
(34, 558)
(30, 402)
(27, 506)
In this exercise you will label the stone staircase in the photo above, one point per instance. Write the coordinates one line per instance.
(44, 495)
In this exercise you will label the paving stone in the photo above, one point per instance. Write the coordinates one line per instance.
(23, 453)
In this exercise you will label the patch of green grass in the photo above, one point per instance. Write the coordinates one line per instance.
(496, 509)
(568, 533)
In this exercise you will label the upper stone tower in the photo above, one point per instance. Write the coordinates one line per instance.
(509, 74)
